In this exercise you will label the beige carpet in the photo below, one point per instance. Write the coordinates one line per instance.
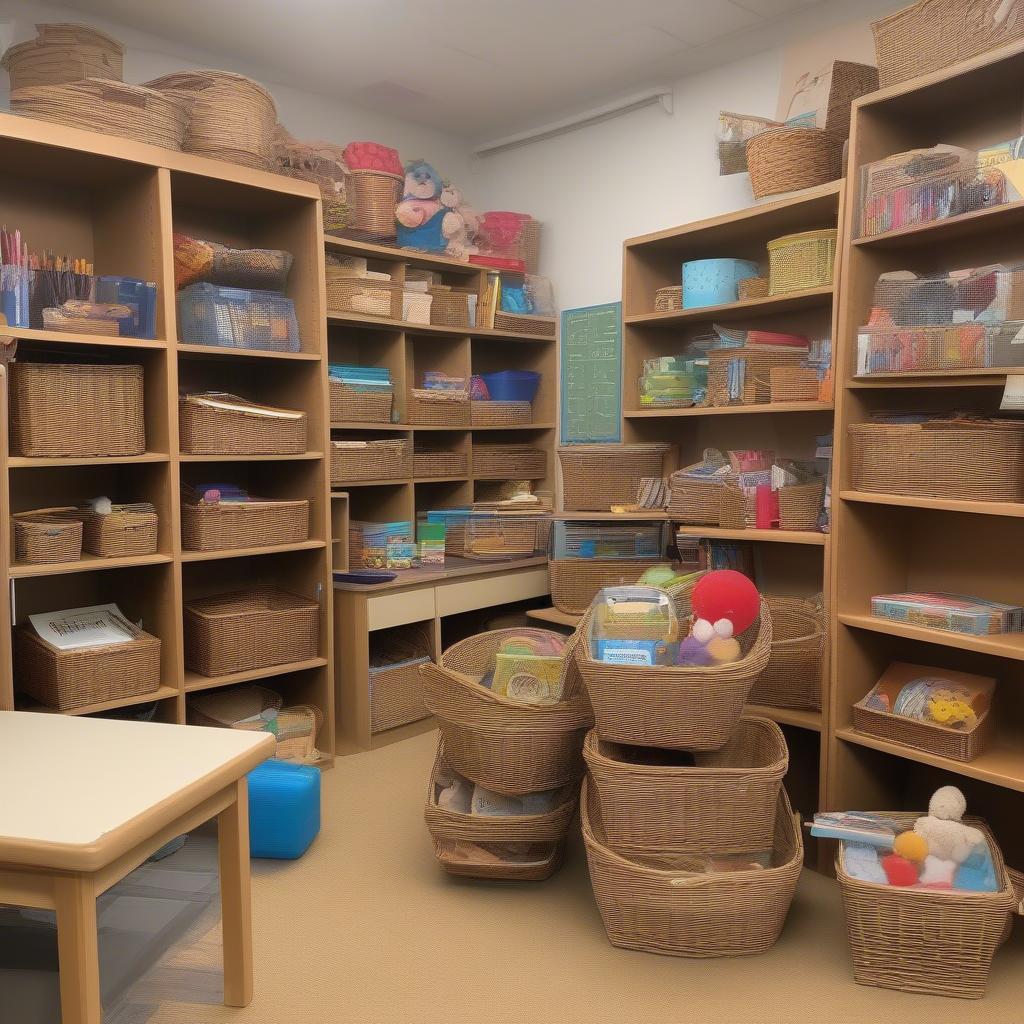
(367, 928)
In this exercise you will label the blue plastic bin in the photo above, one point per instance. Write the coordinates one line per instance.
(714, 282)
(284, 809)
(512, 385)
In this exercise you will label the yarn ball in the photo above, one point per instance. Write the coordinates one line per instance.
(938, 872)
(657, 576)
(693, 652)
(912, 846)
(101, 506)
(899, 870)
(947, 803)
(724, 650)
(726, 594)
(703, 631)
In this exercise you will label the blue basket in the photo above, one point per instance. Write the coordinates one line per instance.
(714, 282)
(512, 385)
(210, 314)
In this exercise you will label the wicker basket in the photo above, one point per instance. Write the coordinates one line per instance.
(373, 196)
(956, 744)
(501, 744)
(678, 707)
(227, 526)
(668, 300)
(801, 261)
(800, 506)
(938, 460)
(575, 582)
(112, 108)
(349, 406)
(758, 366)
(372, 460)
(435, 462)
(799, 639)
(61, 54)
(323, 164)
(897, 935)
(523, 323)
(448, 308)
(470, 860)
(250, 430)
(793, 384)
(679, 910)
(76, 409)
(596, 476)
(509, 462)
(501, 414)
(725, 802)
(737, 510)
(73, 679)
(752, 288)
(47, 535)
(425, 408)
(933, 34)
(230, 117)
(694, 502)
(396, 689)
(126, 530)
(367, 296)
(785, 159)
(250, 629)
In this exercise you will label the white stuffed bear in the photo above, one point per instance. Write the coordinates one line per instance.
(948, 838)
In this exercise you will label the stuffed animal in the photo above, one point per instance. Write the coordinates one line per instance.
(912, 846)
(946, 708)
(899, 870)
(724, 603)
(419, 216)
(948, 838)
(460, 224)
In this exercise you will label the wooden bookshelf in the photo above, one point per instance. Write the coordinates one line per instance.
(118, 204)
(891, 542)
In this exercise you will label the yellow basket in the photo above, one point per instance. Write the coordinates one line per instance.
(804, 260)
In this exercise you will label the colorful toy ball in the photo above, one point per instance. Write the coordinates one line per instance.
(899, 870)
(726, 594)
(911, 846)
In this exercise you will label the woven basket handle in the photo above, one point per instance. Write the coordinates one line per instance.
(1017, 880)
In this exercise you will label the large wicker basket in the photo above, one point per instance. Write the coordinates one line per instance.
(425, 408)
(939, 460)
(227, 526)
(792, 678)
(897, 935)
(125, 530)
(678, 707)
(248, 429)
(46, 535)
(576, 581)
(373, 196)
(429, 461)
(501, 744)
(64, 53)
(396, 694)
(76, 409)
(250, 629)
(596, 476)
(371, 460)
(350, 406)
(670, 906)
(793, 384)
(509, 462)
(786, 158)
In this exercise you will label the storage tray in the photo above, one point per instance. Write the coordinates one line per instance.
(245, 429)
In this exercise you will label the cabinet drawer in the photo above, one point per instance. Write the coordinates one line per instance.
(399, 609)
(467, 595)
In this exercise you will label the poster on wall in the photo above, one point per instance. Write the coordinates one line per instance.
(591, 374)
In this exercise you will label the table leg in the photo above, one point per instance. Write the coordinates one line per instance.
(78, 949)
(236, 897)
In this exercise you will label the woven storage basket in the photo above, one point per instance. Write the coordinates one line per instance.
(229, 525)
(793, 384)
(758, 366)
(349, 406)
(694, 502)
(396, 694)
(373, 196)
(501, 744)
(933, 34)
(726, 802)
(68, 680)
(126, 530)
(799, 638)
(897, 935)
(984, 463)
(368, 296)
(323, 164)
(956, 744)
(47, 535)
(785, 159)
(250, 629)
(375, 460)
(501, 414)
(596, 476)
(76, 409)
(448, 308)
(509, 462)
(800, 261)
(662, 909)
(206, 430)
(670, 299)
(524, 323)
(736, 509)
(800, 506)
(230, 117)
(425, 408)
(64, 53)
(112, 108)
(576, 581)
(457, 858)
(429, 462)
(678, 707)
(752, 288)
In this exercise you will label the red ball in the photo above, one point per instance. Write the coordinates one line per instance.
(899, 870)
(727, 594)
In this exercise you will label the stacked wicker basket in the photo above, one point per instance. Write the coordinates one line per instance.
(677, 779)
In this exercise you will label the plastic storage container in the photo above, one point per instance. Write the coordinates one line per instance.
(512, 385)
(284, 809)
(714, 282)
(606, 540)
(210, 314)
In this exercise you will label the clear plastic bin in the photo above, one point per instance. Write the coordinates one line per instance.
(210, 314)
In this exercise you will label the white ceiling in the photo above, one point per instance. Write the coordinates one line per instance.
(471, 67)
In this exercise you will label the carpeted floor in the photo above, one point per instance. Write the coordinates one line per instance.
(367, 929)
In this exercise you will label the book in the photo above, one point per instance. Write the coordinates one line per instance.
(956, 613)
(855, 827)
(76, 628)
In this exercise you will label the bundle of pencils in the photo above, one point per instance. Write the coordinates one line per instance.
(14, 278)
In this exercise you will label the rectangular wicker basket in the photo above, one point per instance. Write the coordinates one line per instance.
(69, 680)
(758, 365)
(596, 476)
(250, 429)
(396, 694)
(76, 410)
(433, 462)
(956, 744)
(695, 502)
(427, 409)
(523, 323)
(800, 261)
(509, 462)
(249, 629)
(793, 384)
(501, 414)
(349, 406)
(227, 526)
(372, 460)
(367, 296)
(576, 581)
(46, 535)
(126, 530)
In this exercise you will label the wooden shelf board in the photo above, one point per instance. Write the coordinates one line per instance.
(770, 536)
(409, 427)
(380, 323)
(1000, 645)
(727, 410)
(161, 693)
(19, 462)
(341, 425)
(652, 515)
(517, 426)
(746, 308)
(393, 482)
(991, 219)
(194, 681)
(304, 457)
(76, 338)
(454, 567)
(87, 563)
(983, 508)
(1001, 764)
(555, 616)
(787, 716)
(439, 479)
(210, 556)
(978, 377)
(354, 247)
(218, 352)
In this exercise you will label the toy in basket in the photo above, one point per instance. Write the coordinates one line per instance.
(528, 668)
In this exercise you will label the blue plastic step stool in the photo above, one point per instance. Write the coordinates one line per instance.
(284, 809)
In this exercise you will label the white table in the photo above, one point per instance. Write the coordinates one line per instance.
(83, 802)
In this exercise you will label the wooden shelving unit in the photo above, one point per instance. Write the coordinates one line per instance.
(787, 563)
(118, 204)
(884, 542)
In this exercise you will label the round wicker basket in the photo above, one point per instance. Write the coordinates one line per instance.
(61, 54)
(793, 676)
(785, 159)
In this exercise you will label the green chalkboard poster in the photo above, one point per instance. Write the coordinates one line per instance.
(592, 374)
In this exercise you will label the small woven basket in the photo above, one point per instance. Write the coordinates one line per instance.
(47, 535)
(501, 414)
(425, 408)
(799, 640)
(350, 406)
(575, 582)
(434, 462)
(525, 323)
(373, 196)
(752, 288)
(668, 300)
(736, 508)
(956, 744)
(785, 159)
(800, 506)
(509, 462)
(323, 164)
(63, 53)
(793, 384)
(124, 531)
(694, 502)
(368, 296)
(757, 368)
(800, 261)
(227, 526)
(597, 476)
(726, 802)
(251, 430)
(672, 906)
(449, 308)
(374, 460)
